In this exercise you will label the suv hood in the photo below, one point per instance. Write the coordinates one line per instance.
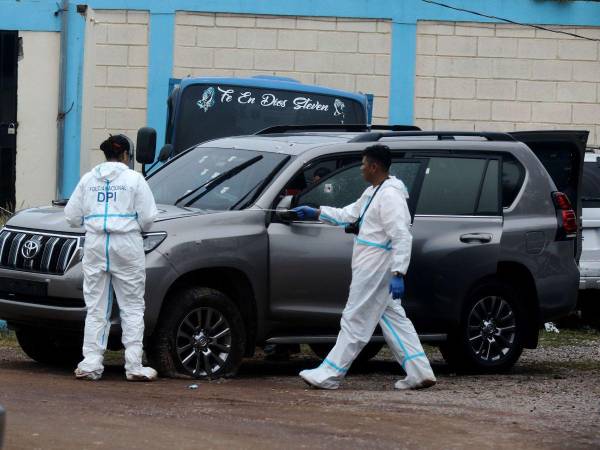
(52, 218)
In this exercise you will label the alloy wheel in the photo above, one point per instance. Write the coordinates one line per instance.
(203, 342)
(492, 329)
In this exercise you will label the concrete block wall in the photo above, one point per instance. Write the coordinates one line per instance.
(121, 75)
(346, 54)
(475, 76)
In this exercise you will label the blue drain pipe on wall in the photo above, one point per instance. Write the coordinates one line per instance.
(71, 103)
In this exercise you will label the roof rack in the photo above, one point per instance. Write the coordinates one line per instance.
(441, 135)
(335, 127)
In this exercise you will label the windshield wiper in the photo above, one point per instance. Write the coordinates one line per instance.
(213, 183)
(259, 186)
(245, 196)
(216, 179)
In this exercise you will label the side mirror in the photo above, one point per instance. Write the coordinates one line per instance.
(285, 203)
(146, 145)
(165, 152)
(283, 210)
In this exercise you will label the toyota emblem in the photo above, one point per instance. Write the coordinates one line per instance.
(30, 249)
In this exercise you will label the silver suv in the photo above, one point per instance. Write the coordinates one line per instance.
(589, 264)
(229, 269)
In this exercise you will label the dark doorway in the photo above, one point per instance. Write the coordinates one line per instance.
(9, 41)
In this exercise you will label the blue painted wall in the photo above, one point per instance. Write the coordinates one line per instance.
(39, 15)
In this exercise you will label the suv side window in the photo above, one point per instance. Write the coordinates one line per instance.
(489, 199)
(460, 186)
(512, 179)
(346, 186)
(316, 171)
(337, 190)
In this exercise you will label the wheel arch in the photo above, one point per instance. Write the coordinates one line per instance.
(522, 280)
(230, 281)
(519, 277)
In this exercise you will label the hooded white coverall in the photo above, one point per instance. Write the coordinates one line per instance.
(114, 204)
(383, 246)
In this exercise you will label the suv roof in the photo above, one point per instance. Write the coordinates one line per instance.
(299, 141)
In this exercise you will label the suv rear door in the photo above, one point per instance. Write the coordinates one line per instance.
(456, 235)
(562, 153)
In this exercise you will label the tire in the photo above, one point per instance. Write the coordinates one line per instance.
(489, 338)
(50, 347)
(198, 323)
(368, 352)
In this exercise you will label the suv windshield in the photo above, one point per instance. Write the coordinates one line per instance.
(213, 111)
(187, 179)
(590, 190)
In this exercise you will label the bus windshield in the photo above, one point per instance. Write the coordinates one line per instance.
(214, 111)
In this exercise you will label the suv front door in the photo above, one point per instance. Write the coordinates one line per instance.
(310, 260)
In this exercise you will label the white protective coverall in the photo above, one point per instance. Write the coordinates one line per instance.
(383, 246)
(114, 203)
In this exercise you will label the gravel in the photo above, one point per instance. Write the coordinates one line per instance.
(551, 399)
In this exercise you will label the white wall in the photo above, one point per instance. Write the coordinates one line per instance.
(476, 76)
(117, 89)
(348, 54)
(37, 107)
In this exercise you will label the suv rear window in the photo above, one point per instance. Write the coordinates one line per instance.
(512, 179)
(590, 191)
(460, 186)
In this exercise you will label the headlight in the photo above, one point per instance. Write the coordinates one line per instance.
(153, 240)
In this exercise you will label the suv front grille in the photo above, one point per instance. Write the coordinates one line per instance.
(36, 252)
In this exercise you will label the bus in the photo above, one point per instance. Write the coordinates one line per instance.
(202, 109)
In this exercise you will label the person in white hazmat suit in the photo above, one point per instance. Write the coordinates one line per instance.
(380, 259)
(114, 204)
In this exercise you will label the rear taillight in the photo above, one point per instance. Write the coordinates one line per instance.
(568, 219)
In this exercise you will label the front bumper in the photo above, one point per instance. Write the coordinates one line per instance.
(64, 308)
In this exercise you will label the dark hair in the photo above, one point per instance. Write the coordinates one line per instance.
(321, 172)
(379, 154)
(114, 146)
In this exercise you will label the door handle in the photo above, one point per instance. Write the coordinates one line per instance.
(475, 237)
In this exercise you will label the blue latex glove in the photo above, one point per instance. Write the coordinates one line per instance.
(397, 287)
(306, 212)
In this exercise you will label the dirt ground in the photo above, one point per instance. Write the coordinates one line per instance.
(550, 400)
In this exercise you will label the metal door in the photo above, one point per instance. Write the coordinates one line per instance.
(310, 261)
(456, 237)
(8, 117)
(562, 153)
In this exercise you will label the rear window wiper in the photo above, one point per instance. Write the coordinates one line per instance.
(211, 184)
